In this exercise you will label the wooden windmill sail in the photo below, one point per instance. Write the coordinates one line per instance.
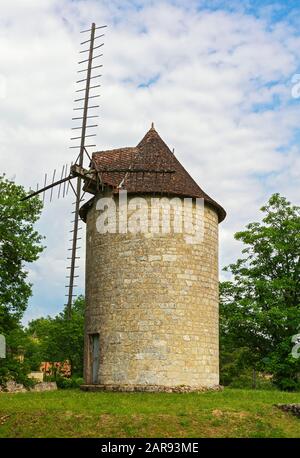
(84, 106)
(92, 178)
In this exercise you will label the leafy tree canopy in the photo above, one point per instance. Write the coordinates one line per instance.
(20, 243)
(60, 338)
(260, 306)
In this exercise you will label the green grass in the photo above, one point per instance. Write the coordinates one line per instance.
(72, 413)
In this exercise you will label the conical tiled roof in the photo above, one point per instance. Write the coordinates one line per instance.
(154, 169)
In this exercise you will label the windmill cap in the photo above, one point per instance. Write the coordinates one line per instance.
(165, 174)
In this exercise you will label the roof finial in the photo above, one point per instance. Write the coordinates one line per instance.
(152, 125)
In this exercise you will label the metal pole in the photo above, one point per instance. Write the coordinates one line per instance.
(78, 186)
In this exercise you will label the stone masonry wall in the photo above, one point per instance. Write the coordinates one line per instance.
(153, 299)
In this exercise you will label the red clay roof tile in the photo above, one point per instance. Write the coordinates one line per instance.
(165, 173)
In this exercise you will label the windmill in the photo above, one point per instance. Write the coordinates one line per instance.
(86, 123)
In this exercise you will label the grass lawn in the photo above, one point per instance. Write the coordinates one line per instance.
(72, 413)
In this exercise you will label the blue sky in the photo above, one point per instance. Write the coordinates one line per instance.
(215, 77)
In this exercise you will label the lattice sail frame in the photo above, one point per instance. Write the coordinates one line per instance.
(76, 169)
(67, 173)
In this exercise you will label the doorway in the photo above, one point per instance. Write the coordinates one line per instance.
(94, 346)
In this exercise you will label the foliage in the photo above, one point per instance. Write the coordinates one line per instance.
(233, 364)
(10, 367)
(15, 370)
(260, 306)
(65, 383)
(19, 244)
(60, 338)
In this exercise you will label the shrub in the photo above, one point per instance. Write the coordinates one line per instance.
(245, 381)
(12, 369)
(65, 383)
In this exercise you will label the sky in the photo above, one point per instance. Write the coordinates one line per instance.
(218, 79)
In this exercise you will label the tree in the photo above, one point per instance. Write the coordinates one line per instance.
(12, 367)
(20, 243)
(60, 338)
(260, 306)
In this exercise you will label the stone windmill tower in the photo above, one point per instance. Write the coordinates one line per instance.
(151, 297)
(151, 289)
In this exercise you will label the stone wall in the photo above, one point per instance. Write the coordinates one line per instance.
(291, 408)
(13, 387)
(153, 299)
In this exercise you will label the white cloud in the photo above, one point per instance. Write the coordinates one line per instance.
(221, 97)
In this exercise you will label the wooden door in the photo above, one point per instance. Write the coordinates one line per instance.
(95, 358)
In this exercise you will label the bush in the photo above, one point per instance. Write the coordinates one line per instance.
(12, 369)
(287, 384)
(65, 383)
(245, 381)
